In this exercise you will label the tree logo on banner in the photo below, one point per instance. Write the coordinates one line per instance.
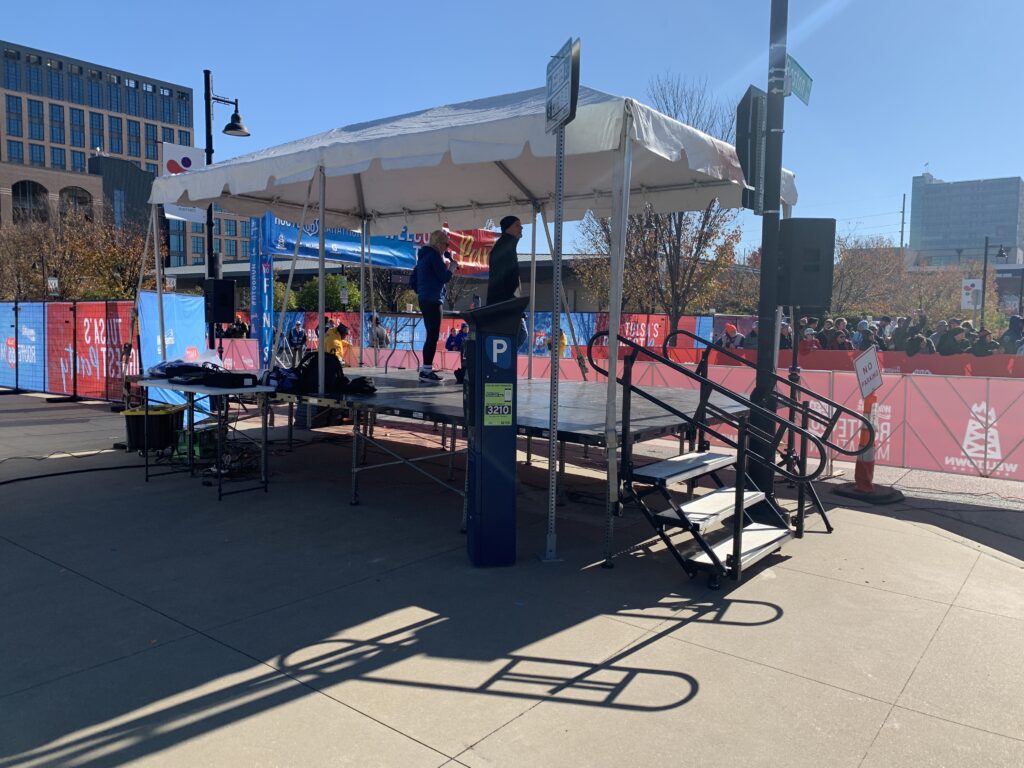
(982, 448)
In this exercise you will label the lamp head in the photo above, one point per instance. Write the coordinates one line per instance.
(236, 127)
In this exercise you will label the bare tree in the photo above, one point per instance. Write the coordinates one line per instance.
(673, 260)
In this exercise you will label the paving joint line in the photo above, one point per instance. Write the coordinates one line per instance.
(918, 662)
(957, 722)
(787, 567)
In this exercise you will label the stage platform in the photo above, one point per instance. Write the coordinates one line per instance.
(581, 409)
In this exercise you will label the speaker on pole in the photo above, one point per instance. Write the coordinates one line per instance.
(806, 262)
(220, 300)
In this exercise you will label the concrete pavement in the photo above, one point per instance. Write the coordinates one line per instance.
(146, 624)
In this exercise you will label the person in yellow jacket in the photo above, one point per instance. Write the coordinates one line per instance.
(563, 342)
(336, 343)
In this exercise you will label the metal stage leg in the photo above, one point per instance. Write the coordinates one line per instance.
(190, 400)
(355, 457)
(529, 450)
(221, 426)
(291, 423)
(145, 429)
(264, 400)
(451, 456)
(563, 496)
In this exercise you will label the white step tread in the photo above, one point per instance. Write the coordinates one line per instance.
(710, 508)
(684, 467)
(758, 540)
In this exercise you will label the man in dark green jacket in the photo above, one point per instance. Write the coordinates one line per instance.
(503, 263)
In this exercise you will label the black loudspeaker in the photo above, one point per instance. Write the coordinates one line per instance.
(220, 300)
(806, 260)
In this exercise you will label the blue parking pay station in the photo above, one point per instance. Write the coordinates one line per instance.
(489, 399)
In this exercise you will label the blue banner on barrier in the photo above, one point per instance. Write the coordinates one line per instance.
(31, 346)
(184, 333)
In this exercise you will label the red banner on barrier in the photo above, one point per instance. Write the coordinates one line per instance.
(83, 347)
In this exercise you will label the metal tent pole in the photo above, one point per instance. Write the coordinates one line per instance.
(533, 294)
(321, 276)
(373, 300)
(621, 174)
(279, 331)
(362, 260)
(362, 285)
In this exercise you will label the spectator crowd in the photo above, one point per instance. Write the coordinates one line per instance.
(913, 335)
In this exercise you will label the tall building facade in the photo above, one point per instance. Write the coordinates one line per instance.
(950, 220)
(56, 112)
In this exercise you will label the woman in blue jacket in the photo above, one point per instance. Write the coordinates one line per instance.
(429, 279)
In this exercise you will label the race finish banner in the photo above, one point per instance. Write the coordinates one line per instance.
(277, 238)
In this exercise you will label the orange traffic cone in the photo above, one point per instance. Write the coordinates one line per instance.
(863, 488)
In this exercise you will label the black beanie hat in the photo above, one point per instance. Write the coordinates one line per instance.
(507, 222)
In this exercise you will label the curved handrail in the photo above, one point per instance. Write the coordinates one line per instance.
(829, 423)
(707, 386)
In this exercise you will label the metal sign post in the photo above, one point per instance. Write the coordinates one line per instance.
(563, 84)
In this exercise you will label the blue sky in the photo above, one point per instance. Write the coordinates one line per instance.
(897, 83)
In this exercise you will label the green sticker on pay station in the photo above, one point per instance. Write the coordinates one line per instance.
(497, 405)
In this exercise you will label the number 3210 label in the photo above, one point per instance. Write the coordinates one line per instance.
(497, 405)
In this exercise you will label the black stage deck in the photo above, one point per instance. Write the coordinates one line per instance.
(581, 408)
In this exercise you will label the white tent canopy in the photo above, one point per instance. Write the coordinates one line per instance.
(466, 163)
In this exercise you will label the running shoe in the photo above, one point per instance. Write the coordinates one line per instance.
(430, 376)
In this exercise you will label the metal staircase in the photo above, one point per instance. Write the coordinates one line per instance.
(731, 527)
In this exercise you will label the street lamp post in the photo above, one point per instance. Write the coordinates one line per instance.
(984, 283)
(235, 128)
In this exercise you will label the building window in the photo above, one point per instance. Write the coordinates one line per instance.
(57, 158)
(77, 127)
(31, 202)
(14, 120)
(196, 227)
(230, 228)
(147, 87)
(76, 90)
(167, 135)
(35, 80)
(166, 106)
(134, 147)
(177, 247)
(232, 249)
(149, 105)
(114, 96)
(116, 145)
(243, 227)
(216, 245)
(184, 113)
(35, 119)
(15, 152)
(118, 208)
(198, 260)
(56, 84)
(152, 152)
(75, 200)
(131, 98)
(216, 227)
(96, 94)
(12, 75)
(78, 161)
(96, 130)
(37, 155)
(152, 168)
(198, 244)
(56, 124)
(184, 138)
(130, 83)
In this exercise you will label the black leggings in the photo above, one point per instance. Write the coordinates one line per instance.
(432, 322)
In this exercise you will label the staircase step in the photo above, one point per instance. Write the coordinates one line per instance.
(759, 541)
(685, 467)
(709, 508)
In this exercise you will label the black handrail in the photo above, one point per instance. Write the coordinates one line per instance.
(720, 414)
(829, 423)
